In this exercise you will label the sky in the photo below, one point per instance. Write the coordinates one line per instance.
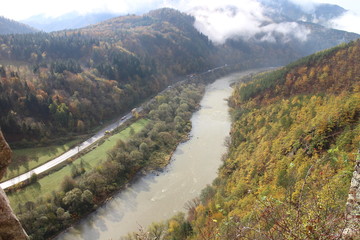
(22, 9)
(217, 25)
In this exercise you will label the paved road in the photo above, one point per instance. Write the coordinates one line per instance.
(66, 155)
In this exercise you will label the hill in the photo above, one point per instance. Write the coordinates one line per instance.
(8, 26)
(65, 83)
(292, 151)
(285, 10)
(71, 20)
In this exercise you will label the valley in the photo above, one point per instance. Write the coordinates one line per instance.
(41, 170)
(244, 131)
(161, 195)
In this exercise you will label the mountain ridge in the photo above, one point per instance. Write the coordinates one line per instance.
(8, 26)
(318, 13)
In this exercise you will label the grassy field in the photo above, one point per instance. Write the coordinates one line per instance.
(49, 183)
(34, 157)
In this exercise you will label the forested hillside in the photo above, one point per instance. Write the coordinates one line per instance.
(8, 26)
(292, 152)
(293, 146)
(66, 83)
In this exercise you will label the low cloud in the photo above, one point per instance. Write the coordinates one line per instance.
(219, 20)
(347, 22)
(307, 5)
(233, 19)
(287, 31)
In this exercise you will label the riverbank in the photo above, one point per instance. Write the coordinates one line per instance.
(85, 161)
(156, 197)
(33, 171)
(149, 149)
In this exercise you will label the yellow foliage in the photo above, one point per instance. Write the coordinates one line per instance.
(173, 225)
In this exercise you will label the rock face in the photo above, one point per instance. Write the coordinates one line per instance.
(353, 205)
(10, 227)
(5, 155)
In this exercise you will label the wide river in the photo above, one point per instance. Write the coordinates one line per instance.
(154, 198)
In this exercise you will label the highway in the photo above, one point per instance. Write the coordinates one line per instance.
(65, 156)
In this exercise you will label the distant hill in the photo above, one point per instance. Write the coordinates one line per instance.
(8, 26)
(277, 10)
(68, 21)
(140, 34)
(285, 10)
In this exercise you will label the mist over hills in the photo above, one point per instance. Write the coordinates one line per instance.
(284, 10)
(276, 10)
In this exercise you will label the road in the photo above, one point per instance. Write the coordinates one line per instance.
(65, 156)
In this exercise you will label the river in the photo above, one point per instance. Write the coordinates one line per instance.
(157, 197)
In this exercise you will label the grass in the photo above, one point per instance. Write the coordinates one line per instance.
(46, 185)
(34, 157)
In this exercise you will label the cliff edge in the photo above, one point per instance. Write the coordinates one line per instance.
(10, 227)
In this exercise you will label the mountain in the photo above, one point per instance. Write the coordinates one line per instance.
(8, 26)
(285, 10)
(281, 49)
(71, 20)
(139, 34)
(67, 82)
(277, 10)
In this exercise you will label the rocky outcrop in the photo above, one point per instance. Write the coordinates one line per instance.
(5, 155)
(10, 227)
(353, 205)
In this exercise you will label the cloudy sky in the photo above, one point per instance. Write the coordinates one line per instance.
(217, 25)
(22, 9)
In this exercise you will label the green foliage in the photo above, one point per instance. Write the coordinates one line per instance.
(33, 178)
(67, 184)
(53, 182)
(175, 228)
(262, 82)
(60, 66)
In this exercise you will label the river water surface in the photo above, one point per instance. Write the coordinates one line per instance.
(154, 198)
